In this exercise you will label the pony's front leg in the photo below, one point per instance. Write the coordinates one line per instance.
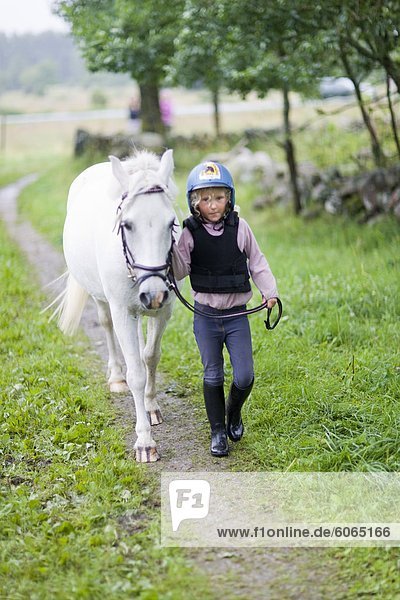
(126, 329)
(116, 378)
(151, 356)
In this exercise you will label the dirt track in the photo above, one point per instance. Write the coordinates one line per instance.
(252, 573)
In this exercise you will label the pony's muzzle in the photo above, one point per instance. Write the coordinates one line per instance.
(153, 300)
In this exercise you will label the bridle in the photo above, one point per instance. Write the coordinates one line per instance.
(131, 264)
(169, 278)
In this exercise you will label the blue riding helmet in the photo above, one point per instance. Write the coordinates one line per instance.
(209, 174)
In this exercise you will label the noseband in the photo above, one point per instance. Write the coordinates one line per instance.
(131, 264)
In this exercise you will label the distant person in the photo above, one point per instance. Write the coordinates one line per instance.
(134, 121)
(166, 111)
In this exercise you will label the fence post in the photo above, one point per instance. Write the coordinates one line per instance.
(3, 131)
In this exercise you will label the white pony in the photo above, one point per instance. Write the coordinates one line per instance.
(117, 243)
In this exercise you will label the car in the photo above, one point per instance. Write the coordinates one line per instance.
(336, 86)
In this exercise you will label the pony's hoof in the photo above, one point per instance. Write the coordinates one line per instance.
(155, 416)
(147, 454)
(119, 387)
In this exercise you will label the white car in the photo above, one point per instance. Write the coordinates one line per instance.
(336, 86)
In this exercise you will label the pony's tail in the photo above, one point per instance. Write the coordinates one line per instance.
(70, 304)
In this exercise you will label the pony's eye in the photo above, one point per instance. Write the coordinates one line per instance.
(126, 225)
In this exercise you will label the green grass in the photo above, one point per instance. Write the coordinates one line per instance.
(78, 517)
(332, 378)
(13, 168)
(327, 379)
(44, 203)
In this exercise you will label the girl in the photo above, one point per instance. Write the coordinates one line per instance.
(219, 253)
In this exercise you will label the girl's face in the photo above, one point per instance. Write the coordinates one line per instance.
(213, 203)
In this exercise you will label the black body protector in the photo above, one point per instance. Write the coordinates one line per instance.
(218, 266)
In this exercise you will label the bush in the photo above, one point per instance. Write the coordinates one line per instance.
(99, 99)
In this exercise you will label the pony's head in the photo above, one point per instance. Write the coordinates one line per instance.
(145, 221)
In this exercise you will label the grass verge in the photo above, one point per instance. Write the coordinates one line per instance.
(78, 517)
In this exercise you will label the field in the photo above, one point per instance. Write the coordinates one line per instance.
(259, 113)
(78, 515)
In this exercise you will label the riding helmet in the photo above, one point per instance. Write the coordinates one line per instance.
(209, 174)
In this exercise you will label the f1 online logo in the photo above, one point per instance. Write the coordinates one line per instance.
(188, 499)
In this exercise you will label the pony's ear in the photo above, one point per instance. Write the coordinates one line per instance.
(166, 166)
(119, 173)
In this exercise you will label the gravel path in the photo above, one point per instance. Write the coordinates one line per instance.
(273, 574)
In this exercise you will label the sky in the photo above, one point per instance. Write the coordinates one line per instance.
(29, 16)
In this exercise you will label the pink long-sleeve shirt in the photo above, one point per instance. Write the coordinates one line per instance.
(257, 264)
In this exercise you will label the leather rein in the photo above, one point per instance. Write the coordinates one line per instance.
(169, 277)
(249, 311)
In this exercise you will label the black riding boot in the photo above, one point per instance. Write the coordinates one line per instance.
(215, 406)
(236, 399)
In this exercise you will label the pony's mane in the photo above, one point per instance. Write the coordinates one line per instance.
(142, 160)
(142, 169)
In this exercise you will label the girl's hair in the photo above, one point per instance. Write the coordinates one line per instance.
(195, 198)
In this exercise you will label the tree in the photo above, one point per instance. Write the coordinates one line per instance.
(199, 51)
(342, 59)
(20, 54)
(127, 36)
(291, 45)
(372, 28)
(392, 116)
(36, 78)
(268, 49)
(364, 35)
(345, 55)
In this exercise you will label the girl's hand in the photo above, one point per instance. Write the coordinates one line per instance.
(271, 302)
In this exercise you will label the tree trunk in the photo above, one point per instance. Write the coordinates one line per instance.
(392, 70)
(217, 120)
(379, 157)
(290, 154)
(392, 115)
(150, 108)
